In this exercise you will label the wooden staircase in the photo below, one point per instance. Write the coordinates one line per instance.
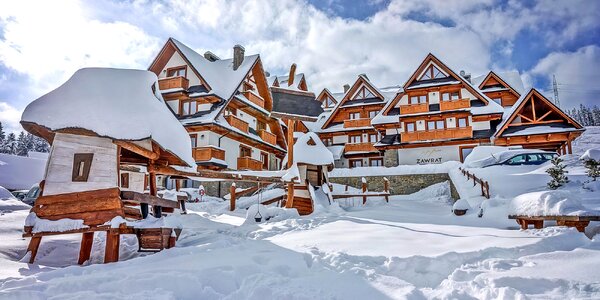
(302, 199)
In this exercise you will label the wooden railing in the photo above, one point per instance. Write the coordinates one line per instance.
(267, 137)
(173, 83)
(248, 163)
(359, 147)
(254, 98)
(237, 123)
(485, 186)
(357, 123)
(442, 134)
(455, 104)
(206, 153)
(414, 108)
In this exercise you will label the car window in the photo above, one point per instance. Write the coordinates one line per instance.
(548, 156)
(5, 194)
(533, 158)
(517, 160)
(33, 192)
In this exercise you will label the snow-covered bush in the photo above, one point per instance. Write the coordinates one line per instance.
(591, 161)
(558, 173)
(461, 205)
(546, 203)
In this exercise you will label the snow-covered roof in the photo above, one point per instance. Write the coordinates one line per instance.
(512, 78)
(115, 103)
(220, 75)
(309, 149)
(20, 172)
(283, 81)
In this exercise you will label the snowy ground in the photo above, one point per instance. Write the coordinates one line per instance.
(410, 248)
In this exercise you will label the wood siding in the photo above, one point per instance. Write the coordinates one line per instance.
(173, 83)
(450, 133)
(237, 123)
(267, 137)
(455, 104)
(258, 100)
(414, 108)
(206, 153)
(248, 163)
(357, 123)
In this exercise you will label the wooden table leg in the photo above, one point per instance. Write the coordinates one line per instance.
(85, 250)
(524, 224)
(538, 224)
(111, 253)
(34, 244)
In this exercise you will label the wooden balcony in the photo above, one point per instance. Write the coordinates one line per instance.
(254, 98)
(357, 123)
(267, 137)
(360, 147)
(207, 153)
(237, 123)
(455, 104)
(248, 163)
(173, 83)
(414, 108)
(452, 133)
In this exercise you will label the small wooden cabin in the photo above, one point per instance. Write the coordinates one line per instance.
(101, 123)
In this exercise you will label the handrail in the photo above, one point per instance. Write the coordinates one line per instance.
(485, 186)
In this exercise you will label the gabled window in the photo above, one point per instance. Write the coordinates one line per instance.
(329, 102)
(432, 72)
(363, 93)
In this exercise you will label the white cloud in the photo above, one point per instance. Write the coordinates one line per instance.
(10, 117)
(577, 74)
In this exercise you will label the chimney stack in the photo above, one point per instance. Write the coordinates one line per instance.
(346, 87)
(238, 56)
(292, 74)
(210, 56)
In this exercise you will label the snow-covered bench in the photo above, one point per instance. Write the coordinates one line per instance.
(579, 222)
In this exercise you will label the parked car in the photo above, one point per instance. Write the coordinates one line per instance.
(519, 157)
(32, 195)
(20, 194)
(6, 195)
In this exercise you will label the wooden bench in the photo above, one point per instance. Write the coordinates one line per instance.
(579, 222)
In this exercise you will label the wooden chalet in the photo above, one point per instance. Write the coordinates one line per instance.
(328, 100)
(438, 116)
(347, 130)
(503, 88)
(536, 122)
(105, 125)
(224, 104)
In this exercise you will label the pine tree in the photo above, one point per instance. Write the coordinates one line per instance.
(21, 148)
(558, 174)
(2, 135)
(596, 113)
(40, 145)
(10, 144)
(29, 142)
(593, 168)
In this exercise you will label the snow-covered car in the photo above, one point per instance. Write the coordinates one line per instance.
(32, 195)
(6, 195)
(20, 194)
(515, 158)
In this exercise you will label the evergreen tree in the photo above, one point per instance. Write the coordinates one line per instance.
(21, 147)
(2, 135)
(29, 142)
(558, 174)
(593, 168)
(9, 146)
(40, 145)
(596, 114)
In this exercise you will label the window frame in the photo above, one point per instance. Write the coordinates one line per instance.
(458, 122)
(177, 69)
(124, 180)
(194, 140)
(352, 163)
(414, 124)
(82, 164)
(351, 115)
(265, 162)
(379, 159)
(244, 148)
(353, 136)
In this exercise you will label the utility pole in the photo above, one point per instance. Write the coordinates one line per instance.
(555, 88)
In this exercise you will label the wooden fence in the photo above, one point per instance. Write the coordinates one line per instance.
(485, 186)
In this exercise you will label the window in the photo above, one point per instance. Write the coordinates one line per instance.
(354, 115)
(431, 73)
(450, 96)
(462, 122)
(464, 152)
(329, 102)
(433, 125)
(356, 163)
(376, 162)
(188, 108)
(261, 125)
(194, 140)
(125, 180)
(517, 160)
(245, 151)
(328, 141)
(373, 138)
(410, 127)
(439, 124)
(497, 100)
(372, 114)
(354, 139)
(81, 166)
(264, 158)
(420, 99)
(177, 71)
(230, 111)
(363, 93)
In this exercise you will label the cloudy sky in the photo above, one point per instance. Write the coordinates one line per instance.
(332, 41)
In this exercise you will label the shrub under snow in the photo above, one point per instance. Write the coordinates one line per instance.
(591, 160)
(546, 203)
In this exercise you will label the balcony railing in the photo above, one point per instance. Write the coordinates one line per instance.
(359, 147)
(267, 137)
(173, 83)
(237, 123)
(206, 153)
(248, 163)
(442, 134)
(357, 123)
(414, 108)
(455, 104)
(254, 98)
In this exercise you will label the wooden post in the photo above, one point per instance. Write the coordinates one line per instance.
(177, 184)
(364, 190)
(152, 183)
(569, 146)
(172, 240)
(111, 252)
(289, 203)
(34, 244)
(386, 188)
(87, 239)
(232, 197)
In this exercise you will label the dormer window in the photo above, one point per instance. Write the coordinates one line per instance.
(329, 102)
(432, 73)
(177, 71)
(363, 93)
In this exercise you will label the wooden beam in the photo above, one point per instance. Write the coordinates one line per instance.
(290, 161)
(85, 249)
(111, 251)
(232, 197)
(148, 199)
(526, 118)
(545, 115)
(150, 154)
(152, 183)
(533, 108)
(34, 244)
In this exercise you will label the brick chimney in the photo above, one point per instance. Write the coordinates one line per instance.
(238, 56)
(292, 74)
(346, 87)
(210, 56)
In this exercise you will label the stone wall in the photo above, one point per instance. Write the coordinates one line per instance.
(399, 184)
